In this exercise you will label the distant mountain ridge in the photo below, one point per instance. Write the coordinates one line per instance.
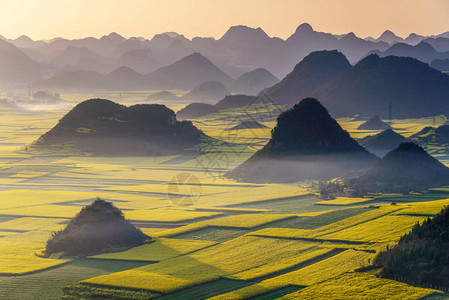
(366, 88)
(240, 50)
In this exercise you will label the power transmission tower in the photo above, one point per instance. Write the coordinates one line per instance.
(390, 117)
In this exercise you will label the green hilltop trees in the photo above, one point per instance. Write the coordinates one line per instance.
(97, 228)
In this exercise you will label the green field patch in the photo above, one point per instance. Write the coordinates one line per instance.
(208, 290)
(49, 284)
(243, 221)
(277, 293)
(213, 234)
(369, 214)
(316, 221)
(158, 250)
(209, 264)
(292, 205)
(385, 229)
(168, 215)
(344, 201)
(84, 291)
(360, 286)
(346, 261)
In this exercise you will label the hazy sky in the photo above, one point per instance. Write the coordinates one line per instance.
(45, 19)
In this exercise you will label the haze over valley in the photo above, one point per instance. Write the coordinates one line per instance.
(302, 152)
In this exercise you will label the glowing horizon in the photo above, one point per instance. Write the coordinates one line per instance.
(71, 19)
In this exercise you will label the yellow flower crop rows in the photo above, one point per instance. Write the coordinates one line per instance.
(59, 211)
(384, 229)
(371, 214)
(159, 250)
(344, 201)
(260, 253)
(30, 223)
(167, 215)
(346, 261)
(360, 286)
(17, 253)
(236, 221)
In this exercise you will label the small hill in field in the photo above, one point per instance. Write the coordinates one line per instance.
(375, 123)
(102, 127)
(97, 228)
(420, 257)
(232, 101)
(438, 136)
(383, 142)
(407, 168)
(210, 90)
(196, 110)
(164, 95)
(247, 125)
(307, 143)
(423, 132)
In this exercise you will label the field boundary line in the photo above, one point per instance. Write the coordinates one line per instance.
(301, 265)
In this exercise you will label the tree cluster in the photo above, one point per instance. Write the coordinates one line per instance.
(421, 257)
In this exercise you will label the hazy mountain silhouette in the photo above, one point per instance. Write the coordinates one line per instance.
(80, 58)
(383, 142)
(240, 50)
(253, 82)
(406, 168)
(355, 48)
(164, 95)
(24, 41)
(102, 127)
(315, 70)
(188, 72)
(75, 80)
(414, 39)
(16, 67)
(251, 47)
(247, 125)
(366, 88)
(124, 78)
(232, 101)
(423, 52)
(440, 44)
(196, 110)
(140, 60)
(440, 64)
(374, 123)
(207, 91)
(307, 143)
(131, 44)
(389, 37)
(369, 87)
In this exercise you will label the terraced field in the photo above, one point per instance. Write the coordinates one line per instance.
(214, 238)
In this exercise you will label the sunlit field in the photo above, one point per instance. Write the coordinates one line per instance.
(214, 237)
